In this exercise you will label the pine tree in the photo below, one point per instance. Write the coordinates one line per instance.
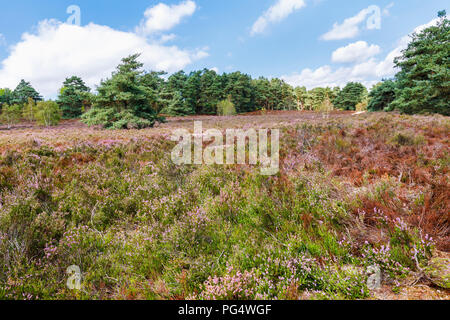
(125, 100)
(423, 83)
(23, 91)
(74, 95)
(352, 94)
(381, 96)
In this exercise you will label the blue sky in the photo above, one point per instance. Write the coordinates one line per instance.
(306, 42)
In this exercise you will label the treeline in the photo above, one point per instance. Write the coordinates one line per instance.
(133, 98)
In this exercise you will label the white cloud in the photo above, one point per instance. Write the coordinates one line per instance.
(355, 52)
(325, 76)
(368, 72)
(350, 28)
(163, 17)
(276, 13)
(59, 50)
(167, 37)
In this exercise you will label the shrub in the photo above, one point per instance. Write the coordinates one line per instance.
(226, 108)
(362, 106)
(48, 113)
(110, 119)
(29, 110)
(11, 114)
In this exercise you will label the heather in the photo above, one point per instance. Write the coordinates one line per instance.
(352, 192)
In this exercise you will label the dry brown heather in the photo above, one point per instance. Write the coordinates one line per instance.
(389, 163)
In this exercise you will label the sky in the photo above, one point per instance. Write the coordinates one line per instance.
(308, 43)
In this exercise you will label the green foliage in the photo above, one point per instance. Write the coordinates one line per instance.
(226, 108)
(110, 119)
(11, 114)
(352, 94)
(320, 99)
(424, 79)
(6, 97)
(23, 91)
(29, 110)
(48, 113)
(176, 105)
(362, 106)
(73, 97)
(381, 96)
(126, 100)
(301, 96)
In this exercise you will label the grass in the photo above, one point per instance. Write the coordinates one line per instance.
(352, 191)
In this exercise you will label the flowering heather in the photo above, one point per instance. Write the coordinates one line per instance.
(352, 192)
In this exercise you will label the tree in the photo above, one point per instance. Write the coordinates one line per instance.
(155, 85)
(29, 110)
(48, 113)
(381, 96)
(352, 94)
(239, 86)
(10, 114)
(211, 91)
(301, 96)
(263, 98)
(174, 96)
(423, 83)
(176, 104)
(6, 97)
(23, 91)
(73, 97)
(125, 100)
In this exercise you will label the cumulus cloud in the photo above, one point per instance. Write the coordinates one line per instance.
(355, 52)
(58, 50)
(325, 76)
(276, 13)
(350, 28)
(367, 72)
(163, 17)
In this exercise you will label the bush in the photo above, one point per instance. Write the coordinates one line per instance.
(29, 110)
(48, 113)
(11, 114)
(226, 108)
(362, 106)
(110, 119)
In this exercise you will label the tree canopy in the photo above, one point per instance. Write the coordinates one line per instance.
(23, 91)
(125, 100)
(74, 95)
(423, 83)
(381, 96)
(352, 94)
